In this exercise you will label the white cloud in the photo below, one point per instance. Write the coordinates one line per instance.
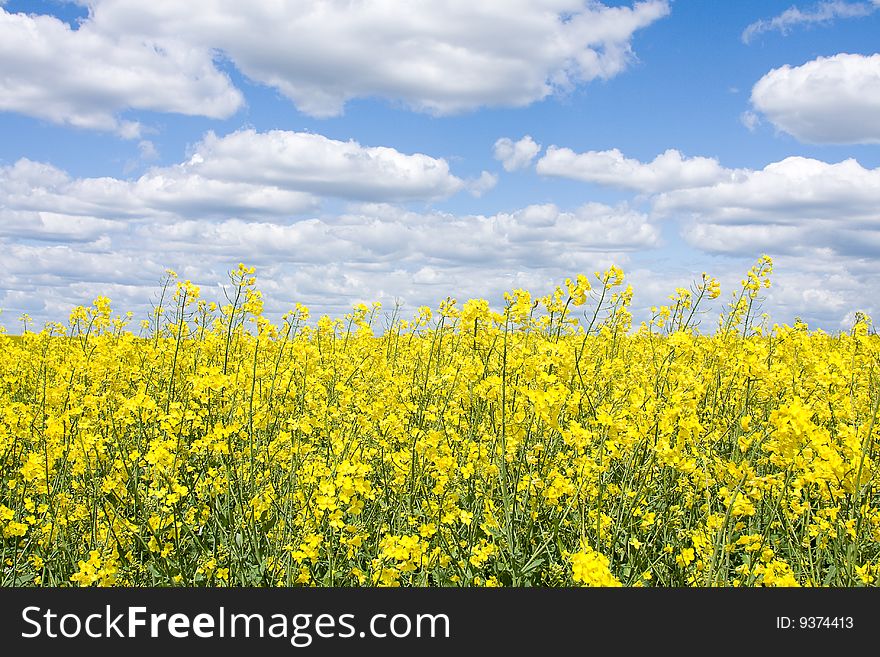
(824, 289)
(242, 197)
(821, 288)
(483, 184)
(822, 13)
(56, 226)
(86, 77)
(827, 100)
(740, 239)
(382, 234)
(441, 57)
(384, 253)
(246, 174)
(374, 252)
(750, 120)
(788, 191)
(314, 163)
(516, 155)
(147, 150)
(669, 170)
(819, 221)
(792, 191)
(160, 194)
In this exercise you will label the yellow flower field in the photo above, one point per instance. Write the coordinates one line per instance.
(546, 443)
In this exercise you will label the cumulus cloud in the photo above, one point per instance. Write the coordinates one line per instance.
(827, 100)
(246, 174)
(86, 77)
(314, 163)
(516, 155)
(804, 210)
(786, 192)
(440, 57)
(63, 241)
(824, 289)
(387, 234)
(254, 197)
(373, 252)
(750, 120)
(669, 170)
(823, 13)
(819, 220)
(58, 227)
(483, 184)
(160, 194)
(820, 288)
(147, 150)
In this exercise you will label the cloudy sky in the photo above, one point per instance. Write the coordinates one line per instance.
(384, 150)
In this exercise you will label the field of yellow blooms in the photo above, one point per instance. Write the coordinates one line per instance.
(548, 443)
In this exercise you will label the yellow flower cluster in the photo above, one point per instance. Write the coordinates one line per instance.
(550, 441)
(590, 568)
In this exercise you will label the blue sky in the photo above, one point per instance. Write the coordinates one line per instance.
(408, 151)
